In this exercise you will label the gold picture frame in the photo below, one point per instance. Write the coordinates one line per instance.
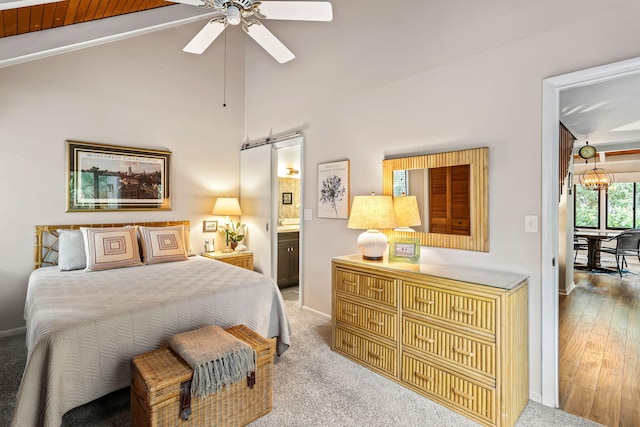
(103, 177)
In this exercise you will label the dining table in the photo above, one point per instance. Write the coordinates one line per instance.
(594, 243)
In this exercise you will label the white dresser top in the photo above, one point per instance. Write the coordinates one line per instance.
(496, 279)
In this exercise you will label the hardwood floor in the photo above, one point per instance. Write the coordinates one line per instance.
(599, 347)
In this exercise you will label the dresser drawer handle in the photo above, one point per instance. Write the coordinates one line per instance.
(376, 290)
(461, 394)
(348, 283)
(463, 352)
(349, 313)
(423, 377)
(348, 344)
(463, 310)
(425, 339)
(424, 301)
(376, 322)
(374, 355)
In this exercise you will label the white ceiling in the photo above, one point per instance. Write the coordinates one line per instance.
(607, 114)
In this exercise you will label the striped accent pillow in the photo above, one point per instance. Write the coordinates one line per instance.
(107, 248)
(163, 244)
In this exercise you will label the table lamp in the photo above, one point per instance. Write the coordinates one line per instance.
(372, 213)
(226, 206)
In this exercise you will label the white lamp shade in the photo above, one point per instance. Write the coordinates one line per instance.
(226, 206)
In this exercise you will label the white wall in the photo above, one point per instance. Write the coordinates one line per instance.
(435, 76)
(140, 92)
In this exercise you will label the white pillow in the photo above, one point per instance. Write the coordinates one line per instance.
(111, 247)
(163, 244)
(71, 254)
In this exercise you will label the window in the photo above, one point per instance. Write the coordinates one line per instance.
(400, 183)
(587, 207)
(621, 205)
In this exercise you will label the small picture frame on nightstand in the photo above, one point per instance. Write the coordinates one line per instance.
(404, 249)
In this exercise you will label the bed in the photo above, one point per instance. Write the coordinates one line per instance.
(83, 327)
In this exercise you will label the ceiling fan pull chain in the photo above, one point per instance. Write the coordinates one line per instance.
(224, 89)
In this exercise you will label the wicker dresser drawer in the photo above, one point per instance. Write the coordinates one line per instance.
(472, 353)
(472, 397)
(366, 351)
(373, 320)
(453, 307)
(374, 288)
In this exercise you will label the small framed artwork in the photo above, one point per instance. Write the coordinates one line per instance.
(404, 249)
(209, 226)
(333, 190)
(287, 198)
(104, 177)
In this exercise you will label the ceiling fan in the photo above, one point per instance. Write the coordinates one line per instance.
(247, 13)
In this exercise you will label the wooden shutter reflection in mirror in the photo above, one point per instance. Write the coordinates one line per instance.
(477, 159)
(449, 206)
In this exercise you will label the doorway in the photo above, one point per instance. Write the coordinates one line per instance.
(271, 186)
(288, 199)
(552, 88)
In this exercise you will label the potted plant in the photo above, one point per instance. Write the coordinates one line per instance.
(234, 233)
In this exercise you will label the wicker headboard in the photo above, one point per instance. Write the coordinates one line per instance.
(46, 242)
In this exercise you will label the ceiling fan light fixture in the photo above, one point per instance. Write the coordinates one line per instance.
(233, 15)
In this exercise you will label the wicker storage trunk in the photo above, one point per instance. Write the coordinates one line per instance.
(156, 378)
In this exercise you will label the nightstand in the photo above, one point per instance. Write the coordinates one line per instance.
(241, 259)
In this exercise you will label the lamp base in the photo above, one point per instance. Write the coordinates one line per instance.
(372, 245)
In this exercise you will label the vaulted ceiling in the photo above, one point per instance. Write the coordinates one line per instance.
(21, 20)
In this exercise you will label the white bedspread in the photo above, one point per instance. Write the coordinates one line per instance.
(83, 328)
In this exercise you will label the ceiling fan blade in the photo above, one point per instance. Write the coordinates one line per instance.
(189, 2)
(205, 37)
(270, 43)
(297, 10)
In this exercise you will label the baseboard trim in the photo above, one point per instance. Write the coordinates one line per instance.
(13, 332)
(568, 289)
(319, 313)
(536, 397)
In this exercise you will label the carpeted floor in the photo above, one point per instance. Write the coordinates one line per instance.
(312, 387)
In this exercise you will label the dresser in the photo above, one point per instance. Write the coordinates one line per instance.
(241, 259)
(456, 335)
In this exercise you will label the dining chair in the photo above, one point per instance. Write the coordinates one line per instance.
(579, 243)
(627, 244)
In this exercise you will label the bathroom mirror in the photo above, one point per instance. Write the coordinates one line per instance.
(452, 193)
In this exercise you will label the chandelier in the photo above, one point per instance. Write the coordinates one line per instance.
(596, 178)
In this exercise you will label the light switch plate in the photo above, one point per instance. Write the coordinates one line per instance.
(530, 223)
(308, 214)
